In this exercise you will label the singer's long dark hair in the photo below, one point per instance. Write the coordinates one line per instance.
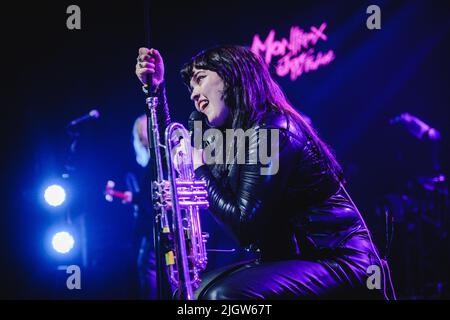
(250, 92)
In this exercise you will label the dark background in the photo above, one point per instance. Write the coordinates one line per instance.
(53, 75)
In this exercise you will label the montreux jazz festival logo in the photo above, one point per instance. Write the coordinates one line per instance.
(296, 55)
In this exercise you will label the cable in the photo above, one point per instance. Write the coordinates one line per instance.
(374, 249)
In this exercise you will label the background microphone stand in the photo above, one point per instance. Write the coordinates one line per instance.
(419, 213)
(77, 222)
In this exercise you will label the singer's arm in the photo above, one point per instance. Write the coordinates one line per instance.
(162, 111)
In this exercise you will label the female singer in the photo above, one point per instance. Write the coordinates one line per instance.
(311, 239)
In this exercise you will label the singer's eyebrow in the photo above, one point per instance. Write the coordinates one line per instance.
(194, 77)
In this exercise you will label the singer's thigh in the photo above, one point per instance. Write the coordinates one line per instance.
(291, 279)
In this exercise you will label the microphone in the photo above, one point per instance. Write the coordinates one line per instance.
(195, 126)
(415, 126)
(195, 116)
(93, 114)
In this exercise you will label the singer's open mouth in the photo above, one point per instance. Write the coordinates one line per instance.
(203, 104)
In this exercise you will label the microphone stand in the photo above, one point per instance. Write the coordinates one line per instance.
(69, 169)
(160, 223)
(156, 175)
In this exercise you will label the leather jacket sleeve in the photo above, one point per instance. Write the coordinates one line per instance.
(250, 210)
(162, 111)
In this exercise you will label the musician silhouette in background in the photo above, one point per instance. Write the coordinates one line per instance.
(138, 195)
(146, 263)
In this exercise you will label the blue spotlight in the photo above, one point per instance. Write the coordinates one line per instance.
(55, 195)
(63, 242)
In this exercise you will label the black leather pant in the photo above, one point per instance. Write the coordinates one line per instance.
(342, 275)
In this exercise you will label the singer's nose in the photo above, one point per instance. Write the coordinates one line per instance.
(195, 95)
(195, 98)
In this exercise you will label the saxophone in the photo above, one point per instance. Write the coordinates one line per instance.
(177, 203)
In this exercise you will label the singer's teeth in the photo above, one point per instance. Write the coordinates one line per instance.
(203, 105)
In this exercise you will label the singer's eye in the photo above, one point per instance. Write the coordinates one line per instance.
(199, 78)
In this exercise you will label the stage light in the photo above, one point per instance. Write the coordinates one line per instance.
(55, 195)
(63, 242)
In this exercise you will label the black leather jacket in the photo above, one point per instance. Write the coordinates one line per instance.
(299, 212)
